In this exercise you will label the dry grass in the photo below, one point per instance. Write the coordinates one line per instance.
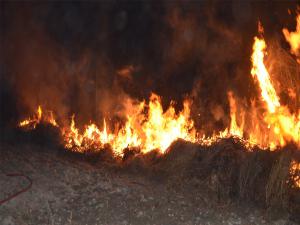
(277, 190)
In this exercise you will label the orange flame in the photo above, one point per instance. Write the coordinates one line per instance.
(161, 129)
(158, 130)
(260, 72)
(293, 38)
(235, 129)
(284, 125)
(48, 117)
(270, 127)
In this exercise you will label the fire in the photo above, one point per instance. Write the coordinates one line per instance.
(260, 72)
(127, 137)
(156, 130)
(283, 125)
(39, 117)
(234, 130)
(293, 38)
(92, 137)
(161, 129)
(147, 126)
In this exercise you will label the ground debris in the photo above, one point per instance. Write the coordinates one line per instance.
(191, 184)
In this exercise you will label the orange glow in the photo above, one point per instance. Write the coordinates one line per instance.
(147, 126)
(39, 117)
(260, 72)
(157, 131)
(127, 137)
(293, 38)
(295, 173)
(161, 129)
(284, 126)
(234, 130)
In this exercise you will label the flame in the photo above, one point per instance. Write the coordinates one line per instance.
(71, 136)
(293, 38)
(147, 126)
(234, 130)
(92, 137)
(127, 137)
(283, 125)
(260, 72)
(39, 117)
(157, 131)
(161, 129)
(157, 128)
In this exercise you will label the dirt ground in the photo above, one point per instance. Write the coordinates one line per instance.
(71, 191)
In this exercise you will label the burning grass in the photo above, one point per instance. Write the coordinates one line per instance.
(147, 126)
(229, 165)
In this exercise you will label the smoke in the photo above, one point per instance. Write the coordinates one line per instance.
(90, 58)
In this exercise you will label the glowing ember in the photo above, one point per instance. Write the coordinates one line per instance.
(295, 173)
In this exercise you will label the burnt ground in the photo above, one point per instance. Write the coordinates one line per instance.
(68, 189)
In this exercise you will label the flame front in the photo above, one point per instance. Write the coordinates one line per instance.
(147, 126)
(157, 129)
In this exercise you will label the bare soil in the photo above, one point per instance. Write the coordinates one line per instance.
(70, 190)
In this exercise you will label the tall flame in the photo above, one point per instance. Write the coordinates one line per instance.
(284, 125)
(260, 72)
